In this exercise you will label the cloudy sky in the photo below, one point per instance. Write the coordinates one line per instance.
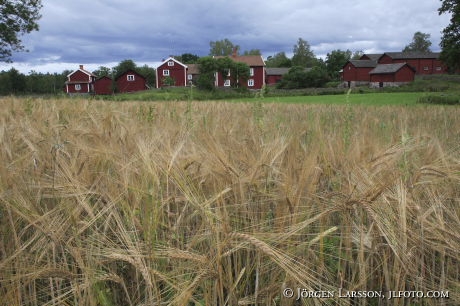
(104, 32)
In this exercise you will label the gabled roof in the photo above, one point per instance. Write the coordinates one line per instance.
(130, 71)
(171, 59)
(103, 77)
(372, 57)
(82, 70)
(412, 55)
(277, 71)
(282, 70)
(388, 68)
(250, 60)
(193, 69)
(363, 63)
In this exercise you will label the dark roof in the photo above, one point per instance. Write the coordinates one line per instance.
(412, 55)
(103, 77)
(193, 69)
(277, 71)
(388, 68)
(363, 63)
(372, 57)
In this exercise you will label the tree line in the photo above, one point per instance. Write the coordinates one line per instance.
(305, 69)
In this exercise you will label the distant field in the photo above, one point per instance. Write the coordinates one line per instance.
(355, 98)
(104, 203)
(184, 94)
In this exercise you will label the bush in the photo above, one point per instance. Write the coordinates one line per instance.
(440, 99)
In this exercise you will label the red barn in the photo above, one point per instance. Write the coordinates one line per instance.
(391, 74)
(131, 81)
(103, 86)
(80, 81)
(171, 72)
(357, 71)
(256, 65)
(423, 63)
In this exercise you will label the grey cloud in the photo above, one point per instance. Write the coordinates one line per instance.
(88, 31)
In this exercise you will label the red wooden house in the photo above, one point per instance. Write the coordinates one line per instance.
(391, 74)
(103, 86)
(130, 81)
(256, 65)
(171, 72)
(80, 81)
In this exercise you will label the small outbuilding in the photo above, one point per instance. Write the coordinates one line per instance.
(391, 75)
(274, 75)
(103, 86)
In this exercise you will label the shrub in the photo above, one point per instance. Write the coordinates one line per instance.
(440, 99)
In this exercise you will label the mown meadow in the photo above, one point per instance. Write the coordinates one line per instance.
(215, 203)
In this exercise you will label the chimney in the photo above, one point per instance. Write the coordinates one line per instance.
(235, 52)
(81, 67)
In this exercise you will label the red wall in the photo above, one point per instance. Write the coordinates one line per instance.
(385, 59)
(177, 72)
(273, 79)
(258, 77)
(405, 74)
(103, 86)
(123, 85)
(85, 88)
(418, 64)
(351, 73)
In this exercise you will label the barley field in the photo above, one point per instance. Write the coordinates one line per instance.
(213, 203)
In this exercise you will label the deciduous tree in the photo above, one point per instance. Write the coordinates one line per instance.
(278, 60)
(303, 56)
(17, 17)
(335, 62)
(208, 67)
(124, 66)
(450, 41)
(420, 43)
(222, 47)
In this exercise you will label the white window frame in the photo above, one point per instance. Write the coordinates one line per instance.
(251, 71)
(166, 72)
(77, 87)
(170, 63)
(438, 68)
(227, 83)
(130, 78)
(189, 77)
(251, 83)
(426, 68)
